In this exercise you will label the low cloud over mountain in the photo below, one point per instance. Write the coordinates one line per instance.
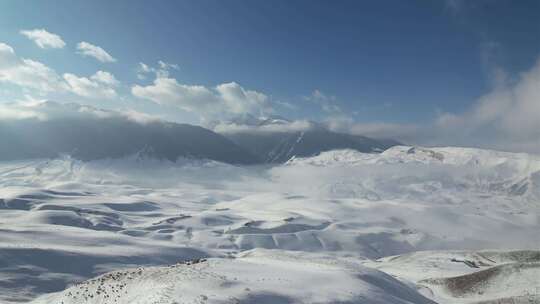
(48, 129)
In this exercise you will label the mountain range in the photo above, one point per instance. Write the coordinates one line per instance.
(87, 133)
(274, 139)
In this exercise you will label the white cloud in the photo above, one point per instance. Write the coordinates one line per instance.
(408, 133)
(142, 70)
(405, 132)
(17, 112)
(167, 91)
(27, 73)
(167, 66)
(88, 49)
(290, 127)
(99, 85)
(139, 117)
(30, 74)
(286, 105)
(7, 56)
(105, 78)
(49, 110)
(238, 100)
(44, 39)
(227, 98)
(327, 103)
(161, 72)
(508, 117)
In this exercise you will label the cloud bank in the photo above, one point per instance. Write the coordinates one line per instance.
(288, 127)
(508, 117)
(49, 110)
(223, 99)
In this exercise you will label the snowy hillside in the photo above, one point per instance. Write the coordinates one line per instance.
(338, 215)
(257, 276)
(469, 277)
(483, 171)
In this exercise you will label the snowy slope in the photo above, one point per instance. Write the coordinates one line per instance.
(488, 171)
(407, 154)
(65, 221)
(257, 276)
(469, 277)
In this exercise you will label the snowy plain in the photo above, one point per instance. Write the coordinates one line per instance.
(409, 225)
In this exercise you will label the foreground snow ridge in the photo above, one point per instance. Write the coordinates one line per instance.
(256, 276)
(452, 225)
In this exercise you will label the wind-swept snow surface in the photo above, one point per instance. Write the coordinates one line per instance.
(66, 221)
(257, 276)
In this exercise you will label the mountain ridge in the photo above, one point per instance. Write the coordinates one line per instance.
(49, 129)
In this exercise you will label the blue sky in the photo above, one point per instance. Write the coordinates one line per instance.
(398, 63)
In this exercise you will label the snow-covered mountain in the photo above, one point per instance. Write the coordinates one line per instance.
(276, 140)
(490, 172)
(423, 216)
(279, 147)
(49, 129)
